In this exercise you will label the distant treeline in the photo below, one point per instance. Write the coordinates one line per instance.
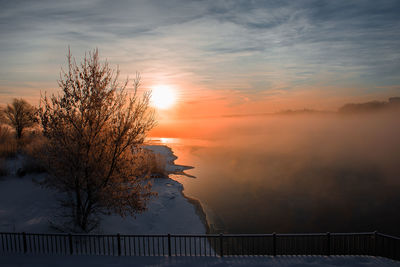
(391, 104)
(302, 111)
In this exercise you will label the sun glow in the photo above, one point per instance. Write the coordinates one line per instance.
(162, 96)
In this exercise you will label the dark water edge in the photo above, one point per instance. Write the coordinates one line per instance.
(199, 211)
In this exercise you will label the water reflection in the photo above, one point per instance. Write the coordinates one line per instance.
(297, 174)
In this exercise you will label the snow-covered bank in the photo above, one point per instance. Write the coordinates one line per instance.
(172, 168)
(169, 212)
(25, 206)
(281, 261)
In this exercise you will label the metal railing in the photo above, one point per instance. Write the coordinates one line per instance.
(369, 243)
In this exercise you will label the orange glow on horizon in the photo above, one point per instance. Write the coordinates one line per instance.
(203, 112)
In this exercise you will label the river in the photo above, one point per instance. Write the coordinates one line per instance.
(296, 174)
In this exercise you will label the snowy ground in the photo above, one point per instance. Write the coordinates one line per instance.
(281, 261)
(27, 207)
(170, 212)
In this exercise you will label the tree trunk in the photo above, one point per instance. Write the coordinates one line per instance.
(78, 207)
(19, 132)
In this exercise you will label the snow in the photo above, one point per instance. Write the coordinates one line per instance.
(27, 207)
(24, 205)
(281, 261)
(170, 212)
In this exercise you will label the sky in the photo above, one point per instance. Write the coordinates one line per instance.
(221, 57)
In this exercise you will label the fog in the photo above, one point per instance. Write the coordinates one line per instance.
(297, 173)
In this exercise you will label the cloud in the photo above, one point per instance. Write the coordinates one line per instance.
(251, 46)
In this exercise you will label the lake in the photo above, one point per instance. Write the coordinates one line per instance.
(288, 174)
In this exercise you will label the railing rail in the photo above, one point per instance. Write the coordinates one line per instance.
(366, 243)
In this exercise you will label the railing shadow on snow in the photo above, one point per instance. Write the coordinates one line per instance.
(367, 243)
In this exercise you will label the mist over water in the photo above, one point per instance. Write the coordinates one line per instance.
(297, 173)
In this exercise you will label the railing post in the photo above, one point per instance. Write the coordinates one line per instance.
(71, 249)
(169, 245)
(328, 244)
(24, 240)
(221, 244)
(274, 243)
(119, 244)
(375, 243)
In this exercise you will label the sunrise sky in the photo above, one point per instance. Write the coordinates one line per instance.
(219, 57)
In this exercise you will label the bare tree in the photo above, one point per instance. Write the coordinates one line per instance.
(94, 130)
(19, 115)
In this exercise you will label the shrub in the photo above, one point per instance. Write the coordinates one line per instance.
(31, 165)
(8, 144)
(152, 164)
(157, 163)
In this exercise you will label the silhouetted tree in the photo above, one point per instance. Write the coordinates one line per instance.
(19, 115)
(94, 130)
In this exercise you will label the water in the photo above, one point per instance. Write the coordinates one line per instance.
(296, 174)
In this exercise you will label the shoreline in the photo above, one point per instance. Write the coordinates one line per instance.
(198, 209)
(195, 202)
(172, 168)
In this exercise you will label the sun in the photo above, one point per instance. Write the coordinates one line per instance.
(162, 96)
